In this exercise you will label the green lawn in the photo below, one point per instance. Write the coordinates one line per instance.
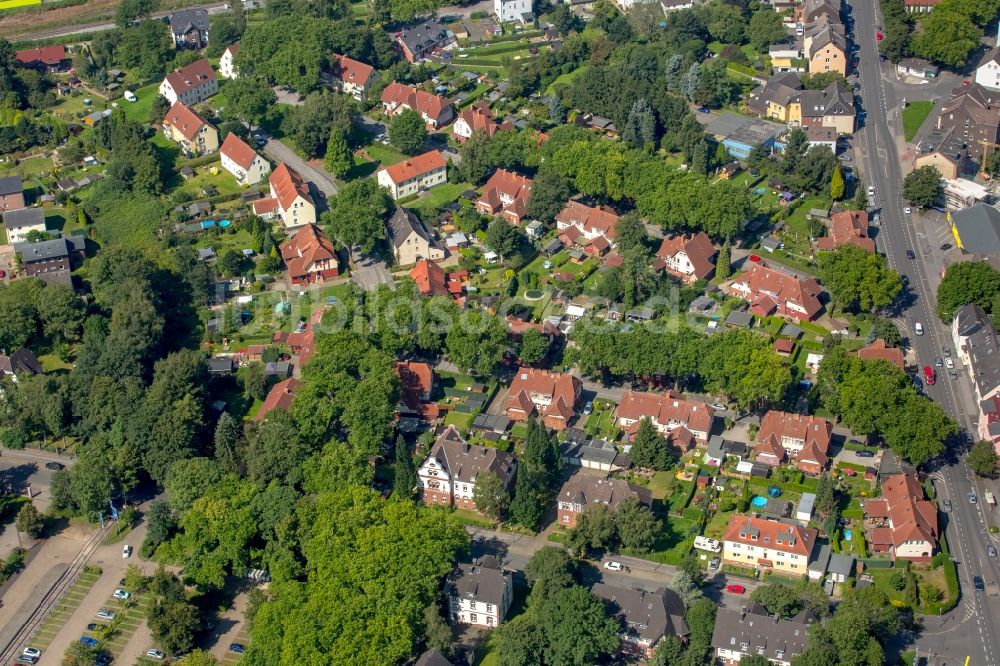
(222, 180)
(601, 421)
(142, 108)
(432, 200)
(913, 117)
(384, 155)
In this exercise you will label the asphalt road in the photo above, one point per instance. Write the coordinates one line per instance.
(21, 469)
(973, 629)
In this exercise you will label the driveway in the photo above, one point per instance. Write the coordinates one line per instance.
(279, 152)
(369, 273)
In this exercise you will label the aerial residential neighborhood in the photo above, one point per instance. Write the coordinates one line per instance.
(500, 333)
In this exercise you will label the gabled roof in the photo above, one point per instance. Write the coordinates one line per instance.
(280, 397)
(879, 350)
(182, 20)
(24, 217)
(648, 616)
(785, 537)
(754, 627)
(430, 278)
(599, 220)
(308, 246)
(349, 70)
(698, 248)
(505, 184)
(777, 425)
(982, 346)
(403, 223)
(196, 74)
(418, 100)
(415, 379)
(287, 184)
(47, 55)
(562, 388)
(43, 250)
(587, 490)
(422, 36)
(464, 462)
(664, 408)
(415, 167)
(432, 658)
(11, 185)
(238, 151)
(848, 227)
(186, 121)
(913, 518)
(484, 581)
(21, 361)
(784, 287)
(479, 118)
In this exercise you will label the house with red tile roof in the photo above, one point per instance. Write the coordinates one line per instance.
(847, 227)
(476, 118)
(416, 386)
(349, 76)
(434, 109)
(45, 59)
(550, 395)
(280, 397)
(190, 84)
(804, 439)
(668, 411)
(448, 476)
(879, 350)
(751, 542)
(414, 174)
(290, 199)
(227, 69)
(577, 221)
(430, 278)
(688, 257)
(239, 159)
(310, 256)
(506, 194)
(903, 523)
(193, 133)
(771, 292)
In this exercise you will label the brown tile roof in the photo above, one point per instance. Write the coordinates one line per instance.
(783, 288)
(507, 186)
(264, 206)
(848, 226)
(771, 534)
(698, 248)
(415, 380)
(415, 166)
(479, 118)
(238, 151)
(47, 55)
(418, 100)
(879, 350)
(913, 518)
(664, 408)
(464, 462)
(430, 278)
(561, 387)
(599, 220)
(185, 120)
(308, 246)
(288, 184)
(191, 76)
(770, 447)
(776, 425)
(280, 397)
(349, 70)
(233, 49)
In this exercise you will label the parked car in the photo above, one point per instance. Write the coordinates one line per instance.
(871, 191)
(611, 565)
(106, 614)
(947, 352)
(945, 247)
(54, 465)
(938, 362)
(25, 659)
(713, 564)
(121, 594)
(718, 406)
(952, 374)
(589, 407)
(239, 648)
(878, 36)
(153, 653)
(88, 641)
(865, 454)
(703, 109)
(93, 626)
(950, 363)
(735, 588)
(126, 551)
(947, 505)
(31, 652)
(906, 210)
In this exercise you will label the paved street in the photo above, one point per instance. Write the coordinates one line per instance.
(973, 629)
(276, 151)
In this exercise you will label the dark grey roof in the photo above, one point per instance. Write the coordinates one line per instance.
(890, 465)
(483, 581)
(944, 141)
(183, 20)
(43, 250)
(718, 447)
(24, 217)
(791, 331)
(841, 564)
(979, 228)
(755, 632)
(648, 616)
(464, 462)
(432, 658)
(278, 369)
(593, 451)
(423, 36)
(403, 223)
(981, 345)
(22, 360)
(220, 364)
(495, 423)
(739, 318)
(11, 185)
(819, 558)
(701, 303)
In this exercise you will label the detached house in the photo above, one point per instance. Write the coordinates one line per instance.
(11, 193)
(880, 351)
(189, 28)
(506, 194)
(689, 258)
(349, 76)
(418, 41)
(191, 84)
(751, 630)
(51, 261)
(479, 593)
(239, 159)
(805, 439)
(551, 395)
(435, 110)
(410, 239)
(668, 412)
(902, 523)
(22, 362)
(772, 292)
(582, 491)
(580, 224)
(20, 222)
(758, 543)
(847, 227)
(280, 397)
(290, 199)
(227, 69)
(647, 617)
(45, 59)
(476, 118)
(192, 132)
(416, 387)
(309, 256)
(448, 476)
(414, 174)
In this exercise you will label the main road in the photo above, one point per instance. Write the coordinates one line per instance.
(973, 629)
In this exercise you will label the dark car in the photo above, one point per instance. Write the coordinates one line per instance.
(977, 582)
(946, 247)
(237, 647)
(54, 465)
(93, 626)
(865, 454)
(703, 109)
(910, 255)
(27, 659)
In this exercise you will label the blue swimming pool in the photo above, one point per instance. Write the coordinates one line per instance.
(848, 534)
(759, 502)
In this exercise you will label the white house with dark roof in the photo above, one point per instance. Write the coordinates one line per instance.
(647, 617)
(479, 593)
(19, 223)
(751, 630)
(448, 476)
(988, 71)
(411, 241)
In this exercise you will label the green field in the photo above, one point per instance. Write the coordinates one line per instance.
(142, 108)
(914, 116)
(566, 79)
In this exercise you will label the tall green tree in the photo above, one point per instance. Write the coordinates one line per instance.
(765, 28)
(837, 184)
(982, 459)
(405, 479)
(859, 281)
(636, 526)
(408, 132)
(339, 159)
(490, 496)
(723, 263)
(250, 98)
(923, 186)
(357, 213)
(650, 448)
(967, 282)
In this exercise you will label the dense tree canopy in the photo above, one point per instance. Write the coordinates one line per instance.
(967, 282)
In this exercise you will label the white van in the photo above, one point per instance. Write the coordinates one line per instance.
(919, 328)
(704, 543)
(130, 96)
